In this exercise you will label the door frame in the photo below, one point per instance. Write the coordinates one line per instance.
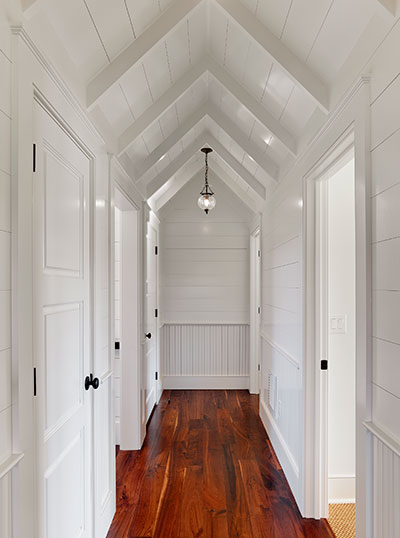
(352, 128)
(318, 183)
(131, 371)
(255, 302)
(151, 219)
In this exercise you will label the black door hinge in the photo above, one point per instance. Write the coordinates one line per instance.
(34, 382)
(324, 364)
(156, 376)
(259, 367)
(34, 158)
(259, 310)
(259, 253)
(156, 313)
(156, 251)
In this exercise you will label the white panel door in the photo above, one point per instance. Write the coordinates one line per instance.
(62, 334)
(151, 325)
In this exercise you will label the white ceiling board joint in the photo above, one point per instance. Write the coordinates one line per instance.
(297, 70)
(238, 168)
(111, 74)
(255, 108)
(168, 99)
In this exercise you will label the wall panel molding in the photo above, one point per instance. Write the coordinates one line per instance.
(385, 481)
(205, 350)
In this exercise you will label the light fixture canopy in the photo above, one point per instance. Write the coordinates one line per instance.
(206, 200)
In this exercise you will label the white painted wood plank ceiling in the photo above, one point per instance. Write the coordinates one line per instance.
(162, 75)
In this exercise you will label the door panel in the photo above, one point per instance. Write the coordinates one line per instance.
(62, 333)
(151, 321)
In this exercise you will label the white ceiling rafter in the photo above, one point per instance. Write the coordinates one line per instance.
(388, 7)
(236, 166)
(229, 127)
(297, 70)
(113, 72)
(175, 165)
(255, 108)
(206, 139)
(252, 201)
(172, 140)
(171, 96)
(177, 186)
(155, 111)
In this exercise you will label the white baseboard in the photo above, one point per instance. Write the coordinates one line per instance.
(283, 453)
(205, 382)
(341, 489)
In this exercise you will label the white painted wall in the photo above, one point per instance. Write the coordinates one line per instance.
(283, 244)
(5, 271)
(117, 322)
(341, 346)
(204, 281)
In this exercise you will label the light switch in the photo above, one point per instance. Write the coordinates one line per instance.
(338, 324)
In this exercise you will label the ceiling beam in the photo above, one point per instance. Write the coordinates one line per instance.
(205, 139)
(235, 165)
(172, 140)
(171, 96)
(168, 99)
(175, 165)
(228, 126)
(256, 109)
(389, 6)
(135, 52)
(252, 200)
(296, 69)
(232, 130)
(177, 186)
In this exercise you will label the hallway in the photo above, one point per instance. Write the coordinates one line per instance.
(206, 469)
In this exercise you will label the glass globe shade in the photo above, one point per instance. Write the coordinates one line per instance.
(206, 202)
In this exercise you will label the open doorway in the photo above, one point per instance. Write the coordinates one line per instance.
(335, 337)
(341, 349)
(127, 358)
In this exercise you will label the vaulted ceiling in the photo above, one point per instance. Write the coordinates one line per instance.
(250, 78)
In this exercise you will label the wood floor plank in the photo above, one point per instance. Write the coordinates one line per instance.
(207, 469)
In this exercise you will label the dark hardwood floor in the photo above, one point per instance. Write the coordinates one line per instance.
(206, 469)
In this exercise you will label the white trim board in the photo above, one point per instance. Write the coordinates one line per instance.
(205, 382)
(282, 451)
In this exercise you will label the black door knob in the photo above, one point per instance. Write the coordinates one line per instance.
(148, 335)
(91, 381)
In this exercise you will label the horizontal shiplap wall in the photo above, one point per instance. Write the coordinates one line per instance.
(281, 326)
(204, 276)
(385, 204)
(5, 272)
(205, 350)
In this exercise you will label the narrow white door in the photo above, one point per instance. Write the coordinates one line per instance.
(62, 334)
(151, 324)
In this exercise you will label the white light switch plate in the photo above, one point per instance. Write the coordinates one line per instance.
(338, 324)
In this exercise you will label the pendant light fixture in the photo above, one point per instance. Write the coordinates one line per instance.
(206, 200)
